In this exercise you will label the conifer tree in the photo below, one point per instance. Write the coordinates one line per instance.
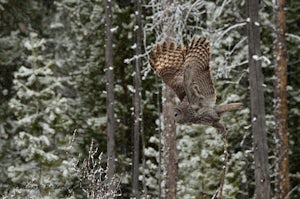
(42, 164)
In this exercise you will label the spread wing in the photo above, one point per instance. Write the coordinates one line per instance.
(167, 61)
(198, 83)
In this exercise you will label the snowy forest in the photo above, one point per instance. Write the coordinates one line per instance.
(83, 115)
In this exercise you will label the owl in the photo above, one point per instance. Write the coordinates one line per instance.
(186, 71)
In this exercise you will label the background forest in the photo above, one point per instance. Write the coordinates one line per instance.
(53, 111)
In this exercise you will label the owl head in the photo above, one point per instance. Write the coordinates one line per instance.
(183, 113)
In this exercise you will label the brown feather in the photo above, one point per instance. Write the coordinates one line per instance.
(158, 49)
(172, 46)
(198, 82)
(167, 61)
(165, 46)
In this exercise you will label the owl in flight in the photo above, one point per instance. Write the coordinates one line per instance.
(186, 71)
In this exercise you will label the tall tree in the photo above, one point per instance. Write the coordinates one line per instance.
(262, 180)
(169, 128)
(282, 146)
(110, 94)
(137, 99)
(43, 115)
(169, 144)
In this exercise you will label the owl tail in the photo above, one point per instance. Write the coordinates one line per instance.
(229, 107)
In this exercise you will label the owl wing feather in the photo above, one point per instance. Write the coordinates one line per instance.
(167, 61)
(198, 83)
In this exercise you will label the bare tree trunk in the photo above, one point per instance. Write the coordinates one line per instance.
(282, 165)
(262, 180)
(169, 128)
(109, 74)
(169, 145)
(137, 101)
(158, 101)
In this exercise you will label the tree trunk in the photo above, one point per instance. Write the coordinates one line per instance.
(282, 165)
(262, 180)
(169, 128)
(169, 145)
(110, 97)
(137, 101)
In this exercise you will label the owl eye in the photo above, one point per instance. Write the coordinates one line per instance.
(175, 114)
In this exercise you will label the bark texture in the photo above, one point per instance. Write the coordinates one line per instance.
(169, 128)
(282, 146)
(109, 74)
(169, 145)
(262, 180)
(137, 101)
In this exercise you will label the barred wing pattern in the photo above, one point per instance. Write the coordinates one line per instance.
(187, 72)
(198, 83)
(167, 61)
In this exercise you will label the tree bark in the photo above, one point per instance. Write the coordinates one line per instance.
(169, 145)
(109, 74)
(169, 128)
(262, 180)
(282, 165)
(137, 101)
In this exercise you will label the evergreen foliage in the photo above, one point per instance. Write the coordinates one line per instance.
(52, 97)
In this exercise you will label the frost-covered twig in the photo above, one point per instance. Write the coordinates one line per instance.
(229, 29)
(289, 35)
(291, 191)
(93, 177)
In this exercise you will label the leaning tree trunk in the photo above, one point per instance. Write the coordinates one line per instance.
(137, 101)
(169, 128)
(109, 74)
(282, 165)
(262, 180)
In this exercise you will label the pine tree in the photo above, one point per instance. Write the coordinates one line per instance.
(52, 81)
(43, 126)
(293, 93)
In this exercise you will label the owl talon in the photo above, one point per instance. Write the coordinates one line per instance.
(224, 133)
(221, 129)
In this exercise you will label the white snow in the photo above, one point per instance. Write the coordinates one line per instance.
(255, 57)
(28, 45)
(114, 29)
(133, 46)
